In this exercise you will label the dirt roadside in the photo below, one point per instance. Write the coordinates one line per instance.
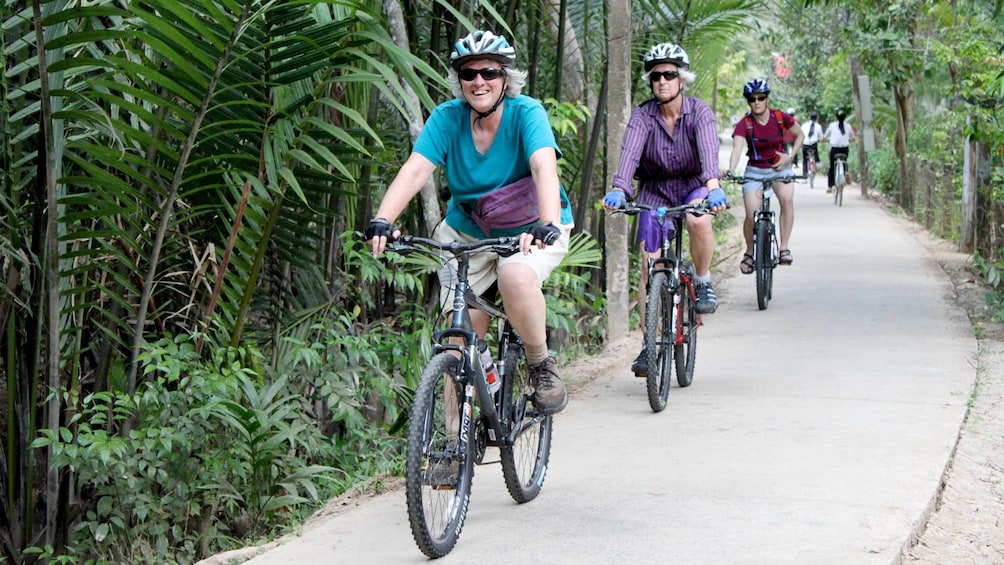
(963, 520)
(965, 517)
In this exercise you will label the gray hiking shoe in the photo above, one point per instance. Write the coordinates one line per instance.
(549, 395)
(640, 365)
(442, 471)
(707, 302)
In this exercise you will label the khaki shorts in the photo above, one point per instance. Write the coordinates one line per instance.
(484, 266)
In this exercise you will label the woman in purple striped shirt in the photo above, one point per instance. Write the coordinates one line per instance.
(671, 147)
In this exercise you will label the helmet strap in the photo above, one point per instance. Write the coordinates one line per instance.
(483, 115)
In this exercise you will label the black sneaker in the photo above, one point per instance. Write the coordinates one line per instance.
(549, 396)
(640, 365)
(707, 302)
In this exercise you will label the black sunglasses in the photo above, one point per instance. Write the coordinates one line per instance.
(467, 75)
(668, 75)
(752, 99)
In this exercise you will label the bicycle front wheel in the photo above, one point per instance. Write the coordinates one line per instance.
(764, 263)
(524, 460)
(659, 339)
(812, 174)
(685, 350)
(439, 468)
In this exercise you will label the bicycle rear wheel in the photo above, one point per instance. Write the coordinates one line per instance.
(841, 180)
(438, 467)
(764, 263)
(685, 352)
(659, 340)
(524, 461)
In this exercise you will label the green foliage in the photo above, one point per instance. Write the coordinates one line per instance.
(220, 450)
(884, 170)
(993, 273)
(572, 304)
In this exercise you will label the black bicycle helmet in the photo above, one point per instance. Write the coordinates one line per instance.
(666, 53)
(756, 86)
(482, 45)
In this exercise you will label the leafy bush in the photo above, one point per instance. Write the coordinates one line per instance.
(208, 454)
(883, 166)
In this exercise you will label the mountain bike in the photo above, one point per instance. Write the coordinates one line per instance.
(765, 243)
(455, 416)
(839, 178)
(671, 318)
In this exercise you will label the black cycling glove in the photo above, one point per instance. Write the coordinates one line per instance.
(548, 233)
(380, 227)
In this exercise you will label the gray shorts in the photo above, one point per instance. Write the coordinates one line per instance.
(755, 173)
(484, 266)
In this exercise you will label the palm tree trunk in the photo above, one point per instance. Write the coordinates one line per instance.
(431, 212)
(618, 114)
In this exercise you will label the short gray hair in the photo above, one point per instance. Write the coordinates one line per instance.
(515, 80)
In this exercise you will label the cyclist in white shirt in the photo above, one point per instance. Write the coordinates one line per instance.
(813, 133)
(839, 135)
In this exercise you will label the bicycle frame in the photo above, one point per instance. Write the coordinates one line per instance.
(471, 370)
(669, 262)
(671, 319)
(764, 226)
(448, 436)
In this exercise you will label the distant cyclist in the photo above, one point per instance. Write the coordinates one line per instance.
(789, 139)
(760, 134)
(813, 134)
(839, 134)
(671, 146)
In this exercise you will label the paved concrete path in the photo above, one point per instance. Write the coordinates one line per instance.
(815, 431)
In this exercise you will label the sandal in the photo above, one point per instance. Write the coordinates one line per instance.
(785, 257)
(746, 265)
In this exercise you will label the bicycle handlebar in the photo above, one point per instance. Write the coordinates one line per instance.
(764, 181)
(632, 208)
(503, 246)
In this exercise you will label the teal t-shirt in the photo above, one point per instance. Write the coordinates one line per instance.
(446, 141)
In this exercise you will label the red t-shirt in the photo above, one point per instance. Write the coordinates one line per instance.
(767, 139)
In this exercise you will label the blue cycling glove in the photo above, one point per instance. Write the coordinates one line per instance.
(614, 198)
(717, 198)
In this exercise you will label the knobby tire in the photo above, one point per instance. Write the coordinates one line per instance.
(437, 475)
(524, 462)
(685, 352)
(764, 263)
(841, 180)
(659, 340)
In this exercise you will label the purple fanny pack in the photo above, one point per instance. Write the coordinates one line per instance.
(512, 206)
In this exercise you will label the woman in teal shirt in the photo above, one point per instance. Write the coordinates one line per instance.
(490, 137)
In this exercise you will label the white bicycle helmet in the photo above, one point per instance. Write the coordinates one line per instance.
(666, 53)
(482, 45)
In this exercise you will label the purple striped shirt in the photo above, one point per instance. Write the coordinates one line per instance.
(668, 166)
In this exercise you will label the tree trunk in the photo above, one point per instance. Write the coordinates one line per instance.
(618, 113)
(431, 212)
(902, 123)
(967, 239)
(855, 68)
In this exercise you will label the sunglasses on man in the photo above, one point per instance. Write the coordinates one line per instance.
(667, 75)
(467, 75)
(752, 99)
